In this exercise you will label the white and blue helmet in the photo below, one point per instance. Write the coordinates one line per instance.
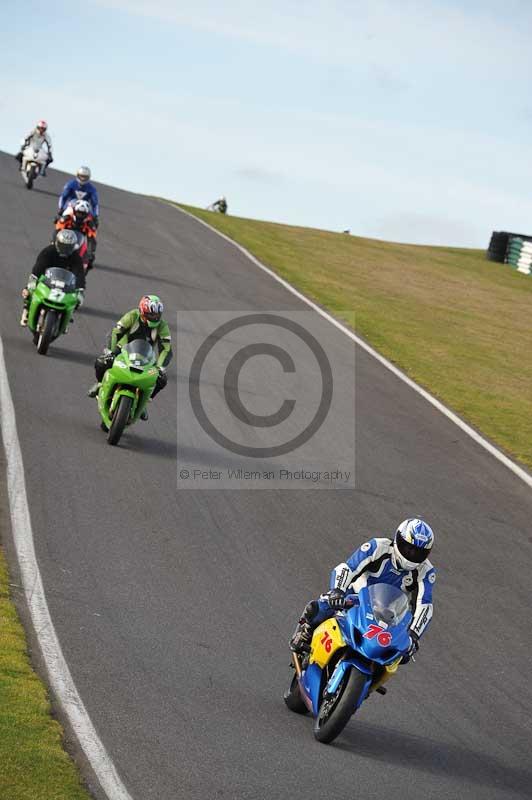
(412, 544)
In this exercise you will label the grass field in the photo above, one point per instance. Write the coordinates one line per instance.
(456, 323)
(33, 764)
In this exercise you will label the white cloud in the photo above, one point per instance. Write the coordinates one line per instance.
(387, 34)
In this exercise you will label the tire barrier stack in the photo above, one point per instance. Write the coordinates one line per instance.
(519, 254)
(514, 249)
(497, 246)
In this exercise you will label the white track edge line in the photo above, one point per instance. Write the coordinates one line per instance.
(494, 451)
(60, 678)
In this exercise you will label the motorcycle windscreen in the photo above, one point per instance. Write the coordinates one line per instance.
(389, 603)
(58, 278)
(140, 352)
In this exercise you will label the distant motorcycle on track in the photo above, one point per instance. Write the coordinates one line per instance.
(33, 163)
(127, 387)
(84, 228)
(352, 654)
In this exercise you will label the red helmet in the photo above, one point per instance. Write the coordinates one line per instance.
(42, 126)
(151, 310)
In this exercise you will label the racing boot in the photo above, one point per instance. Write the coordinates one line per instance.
(26, 294)
(144, 415)
(302, 636)
(93, 391)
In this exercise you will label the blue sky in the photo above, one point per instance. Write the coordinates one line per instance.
(408, 121)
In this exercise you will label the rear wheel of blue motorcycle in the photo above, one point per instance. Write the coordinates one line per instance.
(293, 698)
(336, 710)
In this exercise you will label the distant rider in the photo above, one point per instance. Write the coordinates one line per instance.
(145, 322)
(80, 188)
(37, 138)
(63, 253)
(401, 562)
(220, 205)
(78, 217)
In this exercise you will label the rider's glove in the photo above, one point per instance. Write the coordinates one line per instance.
(28, 289)
(108, 357)
(336, 598)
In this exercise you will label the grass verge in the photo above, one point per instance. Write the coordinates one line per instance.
(456, 323)
(33, 763)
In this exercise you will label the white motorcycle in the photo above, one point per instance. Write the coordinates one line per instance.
(34, 160)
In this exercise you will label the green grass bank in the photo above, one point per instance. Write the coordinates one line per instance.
(459, 325)
(33, 763)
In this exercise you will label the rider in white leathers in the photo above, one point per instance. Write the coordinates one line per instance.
(37, 139)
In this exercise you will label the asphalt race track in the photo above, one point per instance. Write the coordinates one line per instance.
(173, 607)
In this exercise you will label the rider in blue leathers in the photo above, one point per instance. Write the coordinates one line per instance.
(402, 562)
(80, 188)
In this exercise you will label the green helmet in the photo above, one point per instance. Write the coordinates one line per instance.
(151, 310)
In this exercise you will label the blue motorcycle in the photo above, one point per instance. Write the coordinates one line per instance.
(352, 654)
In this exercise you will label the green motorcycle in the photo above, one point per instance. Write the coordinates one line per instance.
(126, 387)
(53, 302)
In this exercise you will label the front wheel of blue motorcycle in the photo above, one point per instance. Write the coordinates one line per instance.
(337, 709)
(293, 698)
